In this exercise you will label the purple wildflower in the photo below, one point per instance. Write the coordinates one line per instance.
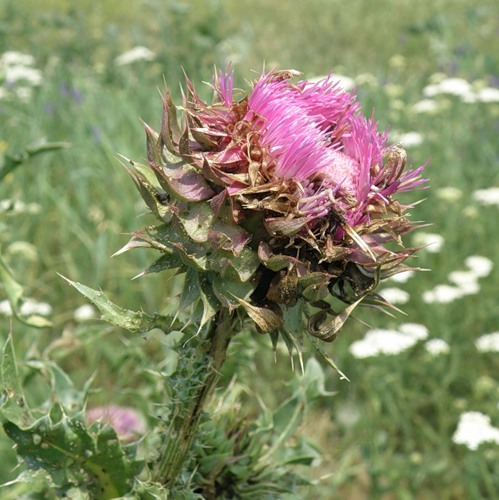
(297, 175)
(127, 422)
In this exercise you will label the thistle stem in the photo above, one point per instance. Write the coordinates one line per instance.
(197, 375)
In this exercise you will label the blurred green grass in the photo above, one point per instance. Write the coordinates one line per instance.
(387, 434)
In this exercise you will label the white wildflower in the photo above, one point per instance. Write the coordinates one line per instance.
(480, 266)
(31, 306)
(345, 82)
(380, 341)
(488, 342)
(393, 90)
(453, 86)
(469, 98)
(409, 139)
(390, 342)
(5, 308)
(397, 61)
(462, 278)
(488, 196)
(471, 288)
(433, 242)
(395, 295)
(442, 294)
(402, 277)
(414, 330)
(25, 74)
(85, 312)
(366, 79)
(449, 193)
(13, 58)
(488, 94)
(24, 93)
(436, 347)
(426, 106)
(134, 55)
(473, 429)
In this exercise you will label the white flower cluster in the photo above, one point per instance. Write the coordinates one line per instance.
(463, 282)
(344, 82)
(86, 312)
(18, 75)
(28, 308)
(473, 429)
(458, 87)
(488, 196)
(134, 55)
(432, 242)
(407, 139)
(463, 89)
(488, 342)
(390, 342)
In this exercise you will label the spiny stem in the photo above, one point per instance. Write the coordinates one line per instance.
(206, 361)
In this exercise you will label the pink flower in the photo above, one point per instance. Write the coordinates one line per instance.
(308, 139)
(292, 173)
(127, 422)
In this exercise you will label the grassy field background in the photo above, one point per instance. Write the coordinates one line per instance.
(388, 432)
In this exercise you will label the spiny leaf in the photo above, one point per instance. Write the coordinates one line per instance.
(57, 441)
(13, 406)
(134, 321)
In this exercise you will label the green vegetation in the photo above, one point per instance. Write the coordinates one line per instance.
(388, 432)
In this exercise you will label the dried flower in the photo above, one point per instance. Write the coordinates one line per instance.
(276, 199)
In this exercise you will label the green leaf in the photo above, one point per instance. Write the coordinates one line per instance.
(152, 195)
(28, 483)
(11, 162)
(191, 289)
(64, 447)
(15, 292)
(197, 221)
(133, 321)
(313, 381)
(240, 267)
(209, 302)
(163, 263)
(13, 406)
(226, 291)
(61, 384)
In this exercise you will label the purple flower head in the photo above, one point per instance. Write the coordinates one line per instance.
(309, 139)
(289, 175)
(127, 422)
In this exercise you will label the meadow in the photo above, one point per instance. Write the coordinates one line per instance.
(430, 71)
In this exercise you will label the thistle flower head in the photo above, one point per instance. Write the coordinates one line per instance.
(277, 198)
(127, 422)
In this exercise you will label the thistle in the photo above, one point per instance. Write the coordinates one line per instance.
(274, 202)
